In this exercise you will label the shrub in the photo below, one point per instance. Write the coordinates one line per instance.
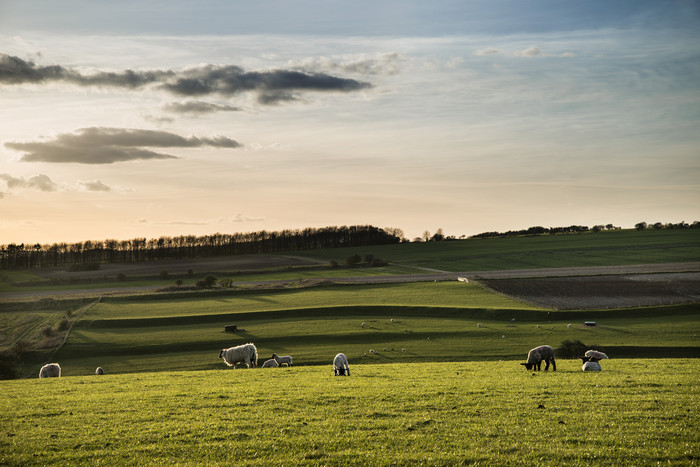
(47, 331)
(574, 349)
(353, 260)
(163, 274)
(378, 262)
(63, 325)
(121, 276)
(334, 264)
(208, 281)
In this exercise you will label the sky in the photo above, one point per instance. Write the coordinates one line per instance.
(146, 119)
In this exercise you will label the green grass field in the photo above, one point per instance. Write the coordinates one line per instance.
(608, 248)
(414, 322)
(481, 413)
(437, 390)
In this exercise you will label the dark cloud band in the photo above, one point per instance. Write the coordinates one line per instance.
(271, 86)
(98, 145)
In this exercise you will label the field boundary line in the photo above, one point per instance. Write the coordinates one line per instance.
(70, 328)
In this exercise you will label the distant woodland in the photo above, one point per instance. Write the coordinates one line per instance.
(190, 246)
(82, 255)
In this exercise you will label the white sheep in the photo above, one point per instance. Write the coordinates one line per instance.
(568, 325)
(50, 370)
(595, 355)
(536, 355)
(592, 366)
(340, 365)
(271, 363)
(287, 359)
(246, 353)
(99, 371)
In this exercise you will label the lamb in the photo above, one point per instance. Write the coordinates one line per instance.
(595, 355)
(340, 365)
(246, 353)
(50, 370)
(271, 363)
(591, 366)
(281, 360)
(99, 371)
(536, 355)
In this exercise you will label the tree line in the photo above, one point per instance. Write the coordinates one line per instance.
(582, 228)
(14, 256)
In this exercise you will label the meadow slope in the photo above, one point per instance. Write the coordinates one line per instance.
(481, 413)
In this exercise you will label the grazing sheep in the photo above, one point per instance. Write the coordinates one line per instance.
(539, 327)
(271, 363)
(568, 325)
(340, 365)
(246, 353)
(372, 351)
(592, 366)
(478, 325)
(99, 371)
(50, 370)
(595, 354)
(287, 359)
(536, 355)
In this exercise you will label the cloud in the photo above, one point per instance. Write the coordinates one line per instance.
(198, 107)
(380, 64)
(39, 182)
(14, 70)
(529, 52)
(231, 80)
(487, 51)
(271, 86)
(98, 145)
(93, 185)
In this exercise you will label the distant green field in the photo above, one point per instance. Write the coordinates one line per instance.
(484, 413)
(607, 248)
(421, 322)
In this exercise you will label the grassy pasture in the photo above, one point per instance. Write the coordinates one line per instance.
(416, 322)
(482, 413)
(609, 248)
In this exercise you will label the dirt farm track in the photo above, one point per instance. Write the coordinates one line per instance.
(560, 288)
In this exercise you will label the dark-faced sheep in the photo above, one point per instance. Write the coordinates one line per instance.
(99, 371)
(340, 365)
(246, 353)
(536, 355)
(50, 370)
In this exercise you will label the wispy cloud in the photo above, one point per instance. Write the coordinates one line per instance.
(198, 107)
(238, 218)
(98, 145)
(271, 87)
(42, 182)
(529, 52)
(488, 51)
(39, 182)
(93, 185)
